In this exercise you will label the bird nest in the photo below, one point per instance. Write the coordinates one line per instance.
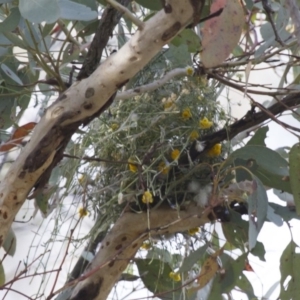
(143, 147)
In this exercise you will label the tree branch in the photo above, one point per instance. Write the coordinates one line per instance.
(110, 18)
(123, 241)
(80, 104)
(151, 86)
(251, 119)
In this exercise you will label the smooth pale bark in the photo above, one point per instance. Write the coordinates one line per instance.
(82, 102)
(122, 242)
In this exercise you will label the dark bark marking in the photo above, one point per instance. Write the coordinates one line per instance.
(90, 92)
(124, 238)
(170, 32)
(110, 18)
(119, 85)
(111, 263)
(118, 247)
(107, 243)
(134, 245)
(87, 106)
(90, 291)
(22, 174)
(133, 58)
(61, 97)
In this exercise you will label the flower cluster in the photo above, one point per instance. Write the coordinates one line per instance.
(132, 165)
(163, 168)
(193, 231)
(83, 212)
(186, 114)
(147, 197)
(205, 123)
(215, 150)
(146, 246)
(175, 276)
(175, 154)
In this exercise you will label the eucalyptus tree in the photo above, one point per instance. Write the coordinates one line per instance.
(131, 124)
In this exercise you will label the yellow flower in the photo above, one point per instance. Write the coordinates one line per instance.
(168, 103)
(132, 165)
(194, 135)
(205, 123)
(82, 212)
(146, 246)
(193, 231)
(82, 179)
(175, 154)
(173, 97)
(186, 114)
(189, 70)
(215, 150)
(163, 168)
(147, 197)
(175, 276)
(114, 126)
(185, 92)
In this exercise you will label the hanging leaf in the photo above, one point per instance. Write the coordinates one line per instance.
(160, 254)
(244, 284)
(285, 212)
(50, 11)
(227, 278)
(266, 158)
(259, 137)
(222, 33)
(12, 21)
(259, 251)
(236, 231)
(10, 243)
(267, 178)
(11, 74)
(294, 159)
(272, 217)
(179, 56)
(17, 137)
(70, 10)
(155, 276)
(42, 200)
(208, 271)
(187, 37)
(192, 259)
(289, 266)
(13, 40)
(2, 274)
(39, 11)
(257, 210)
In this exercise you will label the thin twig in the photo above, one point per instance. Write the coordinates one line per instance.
(127, 13)
(153, 85)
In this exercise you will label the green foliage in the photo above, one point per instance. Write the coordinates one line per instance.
(51, 11)
(2, 274)
(142, 144)
(294, 159)
(155, 276)
(289, 266)
(10, 243)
